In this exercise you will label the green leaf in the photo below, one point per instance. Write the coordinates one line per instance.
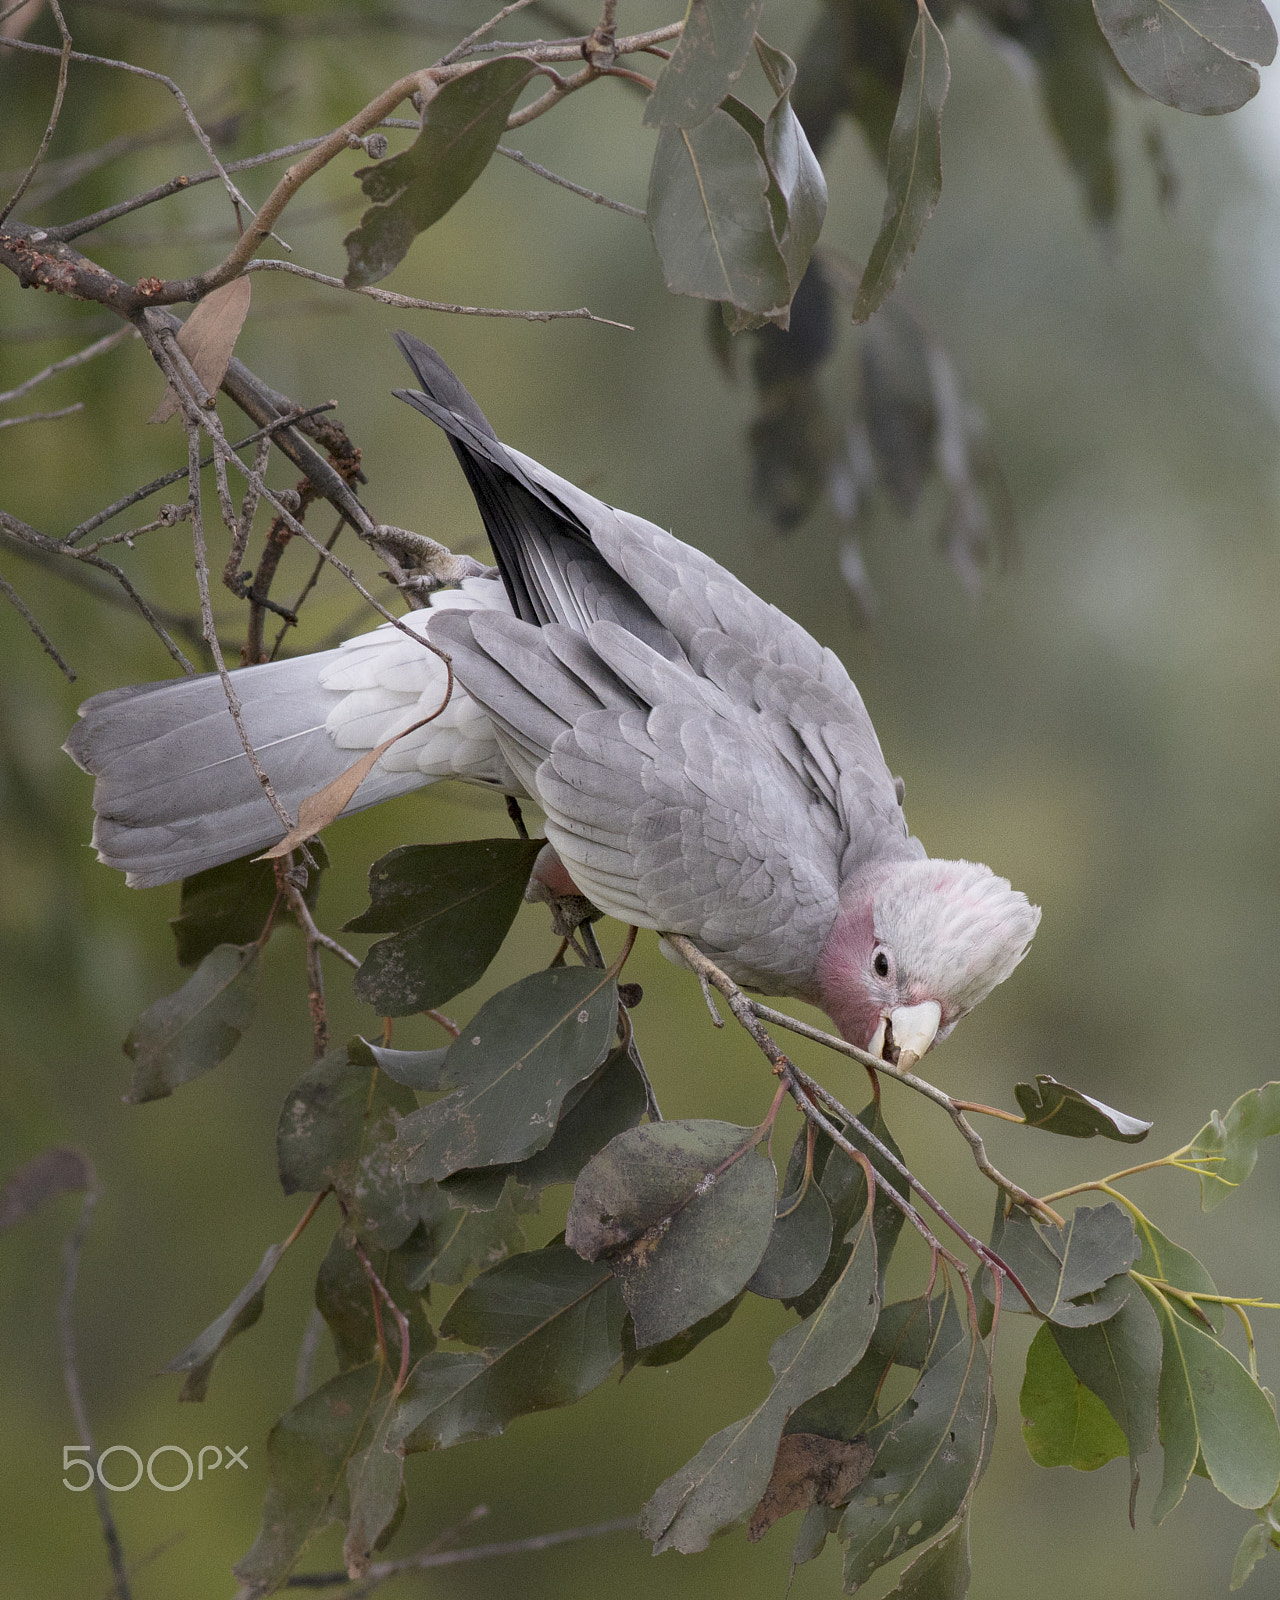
(683, 1210)
(198, 1358)
(461, 126)
(1170, 1263)
(677, 1348)
(375, 1493)
(416, 1069)
(230, 904)
(798, 1246)
(456, 1241)
(926, 1465)
(612, 1100)
(710, 218)
(731, 1472)
(308, 1451)
(1057, 1108)
(1211, 1407)
(344, 1297)
(449, 907)
(1196, 57)
(513, 1064)
(796, 176)
(942, 1569)
(186, 1033)
(1228, 1146)
(550, 1328)
(1120, 1361)
(1253, 1547)
(914, 165)
(1064, 1423)
(708, 58)
(1060, 1266)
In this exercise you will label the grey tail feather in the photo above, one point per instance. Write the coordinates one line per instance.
(175, 793)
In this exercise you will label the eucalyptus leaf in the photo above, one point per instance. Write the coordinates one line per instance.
(1064, 1423)
(1059, 1267)
(230, 904)
(711, 52)
(461, 126)
(422, 1070)
(1057, 1108)
(198, 1358)
(914, 164)
(1257, 1540)
(512, 1065)
(942, 1569)
(1228, 1146)
(798, 1246)
(335, 1128)
(344, 1297)
(448, 908)
(375, 1490)
(188, 1032)
(455, 1241)
(1170, 1263)
(1195, 57)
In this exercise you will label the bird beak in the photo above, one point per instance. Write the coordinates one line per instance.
(914, 1030)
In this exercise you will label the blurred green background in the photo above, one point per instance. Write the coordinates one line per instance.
(1100, 724)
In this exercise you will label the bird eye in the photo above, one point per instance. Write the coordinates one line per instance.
(881, 964)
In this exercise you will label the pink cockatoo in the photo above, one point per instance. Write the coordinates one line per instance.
(705, 767)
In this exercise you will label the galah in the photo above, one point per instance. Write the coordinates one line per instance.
(705, 767)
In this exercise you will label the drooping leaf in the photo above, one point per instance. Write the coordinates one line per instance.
(1119, 1360)
(344, 1297)
(57, 1170)
(1060, 1266)
(925, 1466)
(230, 904)
(1228, 1146)
(709, 57)
(1257, 1539)
(187, 1033)
(549, 1325)
(730, 1474)
(1211, 1409)
(683, 1211)
(677, 1348)
(198, 1358)
(208, 337)
(308, 1451)
(941, 1571)
(512, 1066)
(1194, 57)
(461, 126)
(609, 1102)
(798, 1246)
(810, 1470)
(1064, 1423)
(1057, 1108)
(456, 1241)
(797, 181)
(914, 165)
(448, 907)
(375, 1494)
(710, 218)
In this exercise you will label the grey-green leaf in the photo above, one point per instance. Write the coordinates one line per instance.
(942, 1569)
(549, 1325)
(731, 1472)
(198, 1358)
(1253, 1547)
(344, 1298)
(798, 1246)
(416, 1069)
(914, 166)
(513, 1063)
(186, 1033)
(1227, 1147)
(1059, 1266)
(230, 904)
(683, 1210)
(708, 59)
(448, 908)
(1057, 1108)
(1195, 56)
(456, 1241)
(710, 218)
(461, 127)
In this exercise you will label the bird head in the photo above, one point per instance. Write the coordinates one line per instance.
(915, 946)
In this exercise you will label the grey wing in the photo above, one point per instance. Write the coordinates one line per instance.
(670, 808)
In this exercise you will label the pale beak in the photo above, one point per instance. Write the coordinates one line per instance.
(914, 1030)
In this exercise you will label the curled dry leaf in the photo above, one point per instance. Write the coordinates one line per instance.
(207, 338)
(810, 1470)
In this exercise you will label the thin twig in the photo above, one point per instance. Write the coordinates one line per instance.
(402, 1322)
(405, 302)
(71, 1381)
(98, 348)
(43, 416)
(315, 974)
(50, 649)
(460, 49)
(64, 62)
(523, 160)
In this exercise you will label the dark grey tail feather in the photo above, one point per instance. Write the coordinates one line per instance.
(175, 793)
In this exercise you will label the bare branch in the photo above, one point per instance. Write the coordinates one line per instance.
(404, 302)
(459, 50)
(573, 188)
(19, 605)
(328, 24)
(98, 348)
(64, 62)
(43, 416)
